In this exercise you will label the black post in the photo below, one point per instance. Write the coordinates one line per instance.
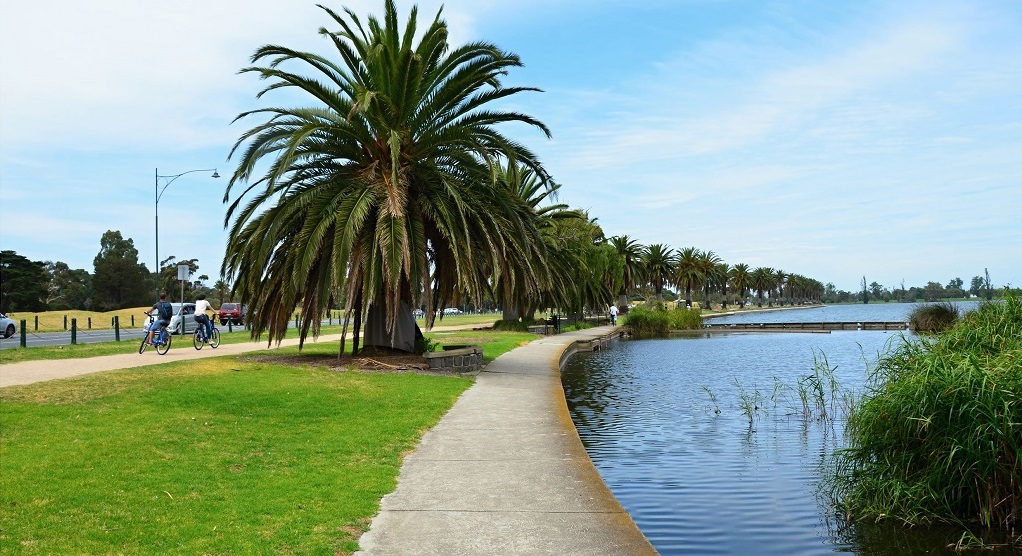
(230, 326)
(24, 338)
(133, 321)
(74, 331)
(65, 322)
(36, 324)
(90, 323)
(117, 328)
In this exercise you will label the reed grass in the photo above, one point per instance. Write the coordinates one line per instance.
(934, 318)
(937, 436)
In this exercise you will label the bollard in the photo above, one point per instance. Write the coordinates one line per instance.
(65, 322)
(296, 321)
(90, 323)
(24, 338)
(117, 328)
(36, 323)
(74, 331)
(230, 326)
(133, 321)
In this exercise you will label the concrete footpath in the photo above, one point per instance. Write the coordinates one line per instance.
(504, 473)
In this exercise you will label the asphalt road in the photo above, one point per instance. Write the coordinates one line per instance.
(38, 339)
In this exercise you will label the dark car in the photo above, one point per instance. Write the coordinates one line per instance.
(233, 313)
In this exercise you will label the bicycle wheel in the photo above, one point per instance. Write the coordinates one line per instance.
(164, 346)
(145, 342)
(214, 342)
(197, 338)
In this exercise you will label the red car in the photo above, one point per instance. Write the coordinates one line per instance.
(234, 313)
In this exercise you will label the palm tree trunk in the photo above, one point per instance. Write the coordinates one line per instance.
(357, 324)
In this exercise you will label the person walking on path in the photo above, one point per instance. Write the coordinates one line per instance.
(613, 314)
(201, 306)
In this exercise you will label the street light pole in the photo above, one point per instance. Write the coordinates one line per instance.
(159, 193)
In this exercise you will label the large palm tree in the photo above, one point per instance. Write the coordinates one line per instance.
(688, 273)
(658, 262)
(779, 278)
(382, 189)
(630, 252)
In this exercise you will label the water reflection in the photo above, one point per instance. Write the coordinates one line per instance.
(697, 482)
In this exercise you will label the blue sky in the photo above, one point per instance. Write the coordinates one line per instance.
(831, 139)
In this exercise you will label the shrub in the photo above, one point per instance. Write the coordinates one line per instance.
(938, 435)
(645, 322)
(933, 318)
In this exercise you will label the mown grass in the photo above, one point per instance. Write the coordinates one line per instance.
(217, 457)
(938, 436)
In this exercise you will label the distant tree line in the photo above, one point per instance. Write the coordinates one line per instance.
(979, 287)
(117, 281)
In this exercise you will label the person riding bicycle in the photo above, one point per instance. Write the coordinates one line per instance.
(161, 311)
(201, 306)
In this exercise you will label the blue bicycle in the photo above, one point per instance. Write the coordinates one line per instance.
(161, 339)
(199, 338)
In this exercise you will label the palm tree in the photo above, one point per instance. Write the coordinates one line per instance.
(658, 262)
(713, 274)
(630, 251)
(740, 281)
(761, 280)
(722, 280)
(688, 273)
(779, 277)
(382, 189)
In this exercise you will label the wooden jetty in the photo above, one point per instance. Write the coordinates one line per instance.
(806, 326)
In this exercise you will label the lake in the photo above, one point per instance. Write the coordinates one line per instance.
(701, 482)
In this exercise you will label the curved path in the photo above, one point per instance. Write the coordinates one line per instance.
(504, 472)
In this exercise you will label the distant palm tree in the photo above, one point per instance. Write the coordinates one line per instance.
(712, 273)
(630, 252)
(740, 281)
(382, 189)
(779, 277)
(722, 281)
(658, 262)
(688, 273)
(762, 280)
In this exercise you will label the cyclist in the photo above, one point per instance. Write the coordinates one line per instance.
(162, 311)
(201, 306)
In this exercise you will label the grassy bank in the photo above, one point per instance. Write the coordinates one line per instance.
(939, 435)
(646, 322)
(219, 457)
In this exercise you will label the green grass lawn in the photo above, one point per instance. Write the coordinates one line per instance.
(229, 455)
(217, 457)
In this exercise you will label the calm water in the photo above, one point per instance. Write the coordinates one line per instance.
(698, 482)
(876, 312)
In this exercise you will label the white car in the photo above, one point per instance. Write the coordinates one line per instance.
(452, 311)
(7, 326)
(189, 318)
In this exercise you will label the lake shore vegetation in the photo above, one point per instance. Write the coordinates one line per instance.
(938, 435)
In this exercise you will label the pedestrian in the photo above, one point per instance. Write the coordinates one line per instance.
(613, 314)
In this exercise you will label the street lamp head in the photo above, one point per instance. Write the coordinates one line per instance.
(215, 175)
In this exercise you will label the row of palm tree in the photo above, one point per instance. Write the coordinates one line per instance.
(689, 269)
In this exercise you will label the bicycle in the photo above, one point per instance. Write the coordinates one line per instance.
(161, 339)
(199, 337)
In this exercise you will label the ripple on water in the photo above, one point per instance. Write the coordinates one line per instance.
(697, 482)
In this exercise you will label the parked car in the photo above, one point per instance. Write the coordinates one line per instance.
(234, 313)
(188, 312)
(7, 326)
(452, 311)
